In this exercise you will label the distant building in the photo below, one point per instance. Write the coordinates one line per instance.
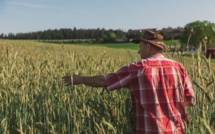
(137, 33)
(210, 53)
(168, 33)
(130, 31)
(171, 33)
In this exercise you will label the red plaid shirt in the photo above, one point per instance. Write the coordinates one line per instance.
(159, 88)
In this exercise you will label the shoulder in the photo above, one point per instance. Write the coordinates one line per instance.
(171, 62)
(138, 64)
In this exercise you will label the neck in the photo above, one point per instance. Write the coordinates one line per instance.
(155, 54)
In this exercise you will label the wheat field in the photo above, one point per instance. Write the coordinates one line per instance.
(34, 100)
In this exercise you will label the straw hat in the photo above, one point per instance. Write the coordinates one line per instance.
(152, 38)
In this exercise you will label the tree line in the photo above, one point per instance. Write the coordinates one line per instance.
(194, 33)
(68, 33)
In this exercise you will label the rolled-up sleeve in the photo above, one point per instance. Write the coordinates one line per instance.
(119, 79)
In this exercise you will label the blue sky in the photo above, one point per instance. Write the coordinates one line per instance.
(36, 15)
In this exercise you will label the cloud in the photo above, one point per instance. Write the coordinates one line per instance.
(30, 5)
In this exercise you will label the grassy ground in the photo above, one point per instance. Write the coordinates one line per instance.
(127, 45)
(114, 45)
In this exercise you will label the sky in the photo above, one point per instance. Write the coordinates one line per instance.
(20, 16)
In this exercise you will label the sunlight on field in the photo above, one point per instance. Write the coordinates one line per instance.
(33, 98)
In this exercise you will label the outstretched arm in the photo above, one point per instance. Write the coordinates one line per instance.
(93, 81)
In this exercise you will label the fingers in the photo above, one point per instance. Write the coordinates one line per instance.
(67, 80)
(71, 79)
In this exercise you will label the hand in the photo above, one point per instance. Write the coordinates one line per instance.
(71, 80)
(67, 80)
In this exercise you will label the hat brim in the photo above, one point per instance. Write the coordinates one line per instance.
(137, 40)
(158, 44)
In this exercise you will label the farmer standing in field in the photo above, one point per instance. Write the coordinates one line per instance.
(160, 87)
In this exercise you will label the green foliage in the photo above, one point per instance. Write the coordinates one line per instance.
(199, 32)
(57, 34)
(116, 45)
(172, 42)
(95, 43)
(127, 45)
(111, 37)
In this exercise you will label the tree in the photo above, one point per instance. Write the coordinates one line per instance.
(197, 33)
(1, 36)
(111, 37)
(11, 36)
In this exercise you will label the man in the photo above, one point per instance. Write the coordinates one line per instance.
(160, 87)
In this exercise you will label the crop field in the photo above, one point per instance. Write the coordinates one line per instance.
(34, 100)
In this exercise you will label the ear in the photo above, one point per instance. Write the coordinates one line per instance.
(148, 46)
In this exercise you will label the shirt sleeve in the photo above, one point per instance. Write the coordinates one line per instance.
(188, 88)
(119, 79)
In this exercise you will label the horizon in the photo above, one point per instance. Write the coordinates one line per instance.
(20, 16)
(85, 29)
